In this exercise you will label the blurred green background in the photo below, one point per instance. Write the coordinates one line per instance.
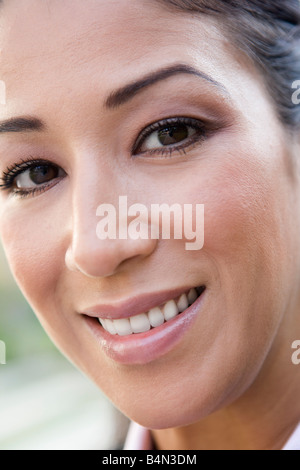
(45, 403)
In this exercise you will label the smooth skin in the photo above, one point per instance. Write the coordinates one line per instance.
(230, 382)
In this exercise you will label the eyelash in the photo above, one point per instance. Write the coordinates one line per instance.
(10, 174)
(169, 150)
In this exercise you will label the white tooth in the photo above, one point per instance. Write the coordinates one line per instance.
(122, 327)
(192, 296)
(102, 322)
(156, 317)
(109, 326)
(170, 310)
(182, 303)
(140, 323)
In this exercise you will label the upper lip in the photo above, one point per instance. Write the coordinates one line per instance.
(133, 306)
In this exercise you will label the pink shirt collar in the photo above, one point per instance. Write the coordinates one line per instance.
(138, 438)
(294, 441)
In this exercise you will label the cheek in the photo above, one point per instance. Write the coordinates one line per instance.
(35, 243)
(34, 246)
(245, 219)
(250, 239)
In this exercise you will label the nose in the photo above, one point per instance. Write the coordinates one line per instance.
(101, 256)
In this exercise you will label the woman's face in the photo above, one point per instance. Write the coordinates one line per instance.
(220, 144)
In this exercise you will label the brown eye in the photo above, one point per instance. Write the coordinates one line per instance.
(173, 134)
(170, 135)
(36, 176)
(43, 174)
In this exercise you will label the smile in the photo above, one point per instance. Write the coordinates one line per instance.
(130, 337)
(154, 318)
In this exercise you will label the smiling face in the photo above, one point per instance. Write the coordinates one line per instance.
(198, 128)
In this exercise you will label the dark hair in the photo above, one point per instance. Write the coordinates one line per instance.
(268, 31)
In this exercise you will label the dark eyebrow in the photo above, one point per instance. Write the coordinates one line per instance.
(21, 125)
(124, 94)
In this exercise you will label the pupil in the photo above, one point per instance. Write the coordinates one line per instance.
(43, 174)
(173, 135)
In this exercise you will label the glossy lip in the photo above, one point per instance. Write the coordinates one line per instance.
(143, 348)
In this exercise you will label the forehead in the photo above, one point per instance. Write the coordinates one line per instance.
(60, 60)
(39, 39)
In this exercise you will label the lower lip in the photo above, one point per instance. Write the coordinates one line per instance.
(144, 348)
